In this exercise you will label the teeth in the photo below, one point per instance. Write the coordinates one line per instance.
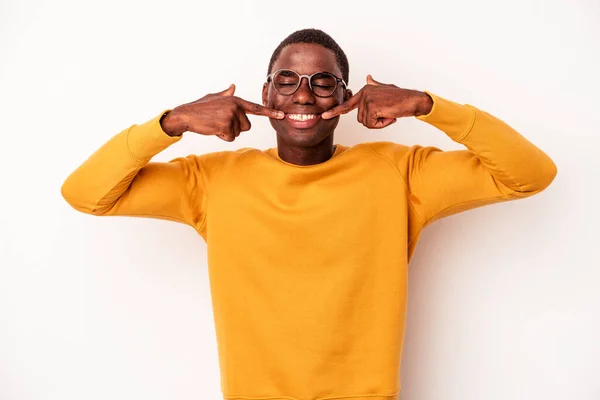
(302, 117)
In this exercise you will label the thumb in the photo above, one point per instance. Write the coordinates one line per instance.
(227, 92)
(371, 81)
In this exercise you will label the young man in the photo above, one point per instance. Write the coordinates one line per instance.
(308, 243)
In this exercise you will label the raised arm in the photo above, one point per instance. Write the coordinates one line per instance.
(498, 164)
(119, 179)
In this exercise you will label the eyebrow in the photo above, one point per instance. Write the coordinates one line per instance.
(287, 72)
(318, 74)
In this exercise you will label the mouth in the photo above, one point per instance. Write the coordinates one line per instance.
(302, 121)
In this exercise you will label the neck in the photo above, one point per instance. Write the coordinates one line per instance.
(300, 155)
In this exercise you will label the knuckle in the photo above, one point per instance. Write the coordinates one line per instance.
(226, 137)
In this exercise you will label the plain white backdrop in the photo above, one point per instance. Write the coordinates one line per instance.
(504, 300)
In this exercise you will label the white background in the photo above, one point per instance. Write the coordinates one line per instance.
(504, 300)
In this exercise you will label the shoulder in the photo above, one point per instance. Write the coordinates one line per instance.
(399, 155)
(222, 156)
(212, 163)
(385, 149)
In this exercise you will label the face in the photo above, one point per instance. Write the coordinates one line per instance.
(299, 128)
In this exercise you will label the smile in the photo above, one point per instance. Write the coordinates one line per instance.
(302, 117)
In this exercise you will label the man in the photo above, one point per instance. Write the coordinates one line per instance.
(308, 243)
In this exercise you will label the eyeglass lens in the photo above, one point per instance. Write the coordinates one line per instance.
(286, 82)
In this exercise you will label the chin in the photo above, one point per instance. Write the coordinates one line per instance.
(302, 138)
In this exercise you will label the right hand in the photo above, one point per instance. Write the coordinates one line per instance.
(220, 114)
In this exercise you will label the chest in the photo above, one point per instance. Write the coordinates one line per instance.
(317, 207)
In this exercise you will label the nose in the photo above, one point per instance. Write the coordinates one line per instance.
(304, 95)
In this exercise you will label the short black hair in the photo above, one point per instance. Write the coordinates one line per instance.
(316, 36)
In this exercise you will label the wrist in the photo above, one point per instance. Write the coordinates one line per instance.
(172, 124)
(424, 104)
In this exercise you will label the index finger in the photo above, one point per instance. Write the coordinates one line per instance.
(257, 109)
(343, 108)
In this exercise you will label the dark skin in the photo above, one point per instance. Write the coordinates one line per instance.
(313, 145)
(225, 115)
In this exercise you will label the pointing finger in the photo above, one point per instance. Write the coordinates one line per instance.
(343, 108)
(257, 109)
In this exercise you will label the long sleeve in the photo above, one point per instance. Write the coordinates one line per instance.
(119, 179)
(499, 163)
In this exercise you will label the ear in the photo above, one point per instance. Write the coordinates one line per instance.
(347, 94)
(265, 94)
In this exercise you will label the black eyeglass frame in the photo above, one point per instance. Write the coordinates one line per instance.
(308, 78)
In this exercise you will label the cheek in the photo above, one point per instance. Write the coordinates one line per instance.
(337, 99)
(274, 100)
(331, 102)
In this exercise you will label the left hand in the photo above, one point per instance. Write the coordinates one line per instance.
(380, 104)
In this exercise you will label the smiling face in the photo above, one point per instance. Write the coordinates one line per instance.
(302, 125)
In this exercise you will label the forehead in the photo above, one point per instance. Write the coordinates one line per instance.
(307, 58)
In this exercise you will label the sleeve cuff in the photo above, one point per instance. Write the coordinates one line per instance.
(456, 120)
(148, 139)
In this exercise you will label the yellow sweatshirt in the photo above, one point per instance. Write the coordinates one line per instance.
(308, 264)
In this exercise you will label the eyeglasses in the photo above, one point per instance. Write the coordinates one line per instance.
(322, 84)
